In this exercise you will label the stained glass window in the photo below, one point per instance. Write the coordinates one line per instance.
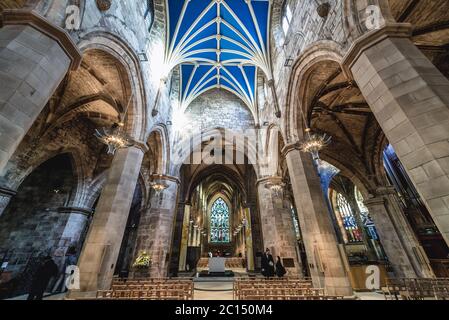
(366, 218)
(219, 222)
(347, 220)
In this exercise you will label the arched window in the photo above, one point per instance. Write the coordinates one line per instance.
(364, 213)
(287, 17)
(219, 222)
(346, 219)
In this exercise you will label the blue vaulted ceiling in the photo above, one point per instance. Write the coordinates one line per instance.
(218, 44)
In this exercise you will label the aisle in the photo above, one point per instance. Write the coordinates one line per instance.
(213, 289)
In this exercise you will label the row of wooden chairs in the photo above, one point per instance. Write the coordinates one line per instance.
(416, 289)
(279, 289)
(273, 280)
(231, 263)
(149, 289)
(166, 294)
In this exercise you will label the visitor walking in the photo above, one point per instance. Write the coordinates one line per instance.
(44, 273)
(280, 269)
(267, 264)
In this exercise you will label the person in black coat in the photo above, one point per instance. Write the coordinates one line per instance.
(280, 269)
(44, 273)
(267, 264)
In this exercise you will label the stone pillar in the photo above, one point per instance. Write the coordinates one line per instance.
(76, 224)
(184, 238)
(5, 197)
(102, 246)
(277, 224)
(389, 238)
(326, 263)
(410, 99)
(197, 238)
(249, 241)
(191, 234)
(35, 56)
(401, 246)
(155, 233)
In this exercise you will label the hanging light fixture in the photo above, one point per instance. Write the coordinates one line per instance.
(115, 138)
(158, 186)
(313, 143)
(276, 186)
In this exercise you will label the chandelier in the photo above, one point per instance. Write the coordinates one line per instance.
(158, 186)
(276, 186)
(314, 143)
(114, 138)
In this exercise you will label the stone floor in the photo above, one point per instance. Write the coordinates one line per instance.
(213, 289)
(220, 289)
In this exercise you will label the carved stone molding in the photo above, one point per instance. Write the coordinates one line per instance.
(395, 30)
(35, 20)
(83, 211)
(6, 192)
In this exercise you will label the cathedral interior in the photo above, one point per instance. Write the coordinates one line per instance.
(146, 139)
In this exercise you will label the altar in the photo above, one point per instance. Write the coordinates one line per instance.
(217, 265)
(220, 267)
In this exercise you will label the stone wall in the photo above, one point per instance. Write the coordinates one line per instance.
(218, 109)
(32, 225)
(306, 28)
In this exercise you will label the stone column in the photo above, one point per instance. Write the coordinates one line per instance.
(249, 241)
(326, 263)
(35, 56)
(184, 238)
(5, 197)
(102, 246)
(197, 238)
(155, 233)
(410, 99)
(277, 224)
(76, 224)
(397, 238)
(389, 238)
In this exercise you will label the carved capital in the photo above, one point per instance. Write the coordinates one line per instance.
(368, 40)
(6, 192)
(289, 148)
(83, 211)
(142, 146)
(163, 177)
(377, 201)
(270, 180)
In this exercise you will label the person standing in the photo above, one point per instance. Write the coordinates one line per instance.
(280, 269)
(267, 264)
(44, 273)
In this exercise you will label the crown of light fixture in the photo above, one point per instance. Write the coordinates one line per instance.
(314, 142)
(114, 138)
(159, 186)
(276, 186)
